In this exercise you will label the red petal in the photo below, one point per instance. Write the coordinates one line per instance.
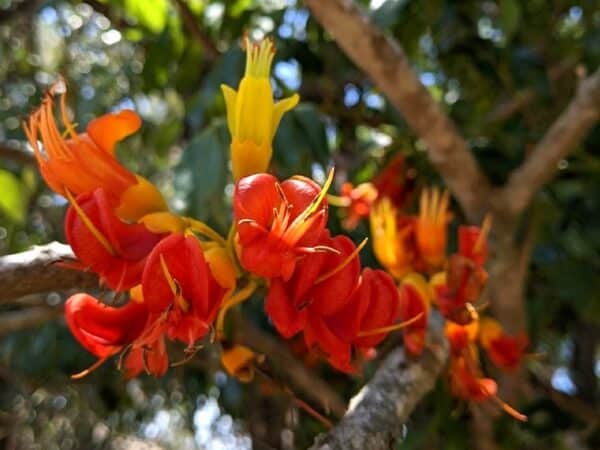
(130, 242)
(103, 330)
(383, 306)
(286, 317)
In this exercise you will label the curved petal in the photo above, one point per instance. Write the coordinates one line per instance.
(104, 330)
(111, 128)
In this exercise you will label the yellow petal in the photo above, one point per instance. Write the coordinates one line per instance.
(280, 108)
(221, 266)
(139, 200)
(164, 222)
(238, 361)
(230, 104)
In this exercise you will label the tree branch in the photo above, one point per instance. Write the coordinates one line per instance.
(560, 140)
(35, 271)
(384, 60)
(300, 376)
(383, 405)
(27, 318)
(16, 154)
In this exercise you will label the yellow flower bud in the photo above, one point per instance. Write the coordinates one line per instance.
(252, 115)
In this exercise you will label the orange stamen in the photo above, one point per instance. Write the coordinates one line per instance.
(390, 328)
(83, 373)
(174, 286)
(485, 229)
(344, 263)
(509, 409)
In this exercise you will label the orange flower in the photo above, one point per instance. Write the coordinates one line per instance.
(430, 227)
(357, 202)
(391, 238)
(74, 164)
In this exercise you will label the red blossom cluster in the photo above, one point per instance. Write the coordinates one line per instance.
(315, 284)
(412, 248)
(168, 270)
(180, 276)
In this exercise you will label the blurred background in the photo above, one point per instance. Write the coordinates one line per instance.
(503, 70)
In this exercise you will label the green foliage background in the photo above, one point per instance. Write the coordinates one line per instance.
(473, 56)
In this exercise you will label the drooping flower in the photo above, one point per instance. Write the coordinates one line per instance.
(370, 313)
(182, 297)
(391, 238)
(101, 329)
(467, 383)
(464, 277)
(74, 164)
(415, 300)
(506, 352)
(461, 337)
(277, 222)
(103, 243)
(320, 286)
(356, 201)
(430, 227)
(177, 280)
(252, 115)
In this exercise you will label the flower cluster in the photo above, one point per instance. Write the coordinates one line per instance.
(412, 248)
(180, 277)
(119, 227)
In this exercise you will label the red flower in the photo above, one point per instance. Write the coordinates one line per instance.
(506, 352)
(277, 223)
(414, 300)
(106, 245)
(472, 243)
(465, 275)
(101, 329)
(319, 288)
(467, 383)
(177, 283)
(182, 297)
(356, 201)
(372, 309)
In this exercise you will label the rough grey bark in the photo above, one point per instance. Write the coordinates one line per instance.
(384, 60)
(36, 271)
(378, 412)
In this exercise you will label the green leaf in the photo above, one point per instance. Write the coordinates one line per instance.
(13, 200)
(300, 140)
(150, 13)
(201, 175)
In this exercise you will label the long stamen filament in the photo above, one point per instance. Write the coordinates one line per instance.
(83, 373)
(344, 263)
(336, 200)
(509, 409)
(174, 286)
(397, 326)
(485, 229)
